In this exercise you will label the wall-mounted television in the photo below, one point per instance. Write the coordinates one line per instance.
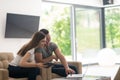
(21, 26)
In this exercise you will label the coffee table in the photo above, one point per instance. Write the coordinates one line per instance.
(88, 77)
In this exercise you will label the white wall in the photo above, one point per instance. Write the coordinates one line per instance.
(79, 2)
(28, 7)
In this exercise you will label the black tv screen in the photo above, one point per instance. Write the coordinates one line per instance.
(21, 26)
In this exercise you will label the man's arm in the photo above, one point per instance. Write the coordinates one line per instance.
(61, 57)
(38, 58)
(64, 62)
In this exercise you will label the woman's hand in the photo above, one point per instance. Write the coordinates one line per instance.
(69, 71)
(40, 65)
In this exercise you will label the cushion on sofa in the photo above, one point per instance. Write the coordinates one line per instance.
(6, 56)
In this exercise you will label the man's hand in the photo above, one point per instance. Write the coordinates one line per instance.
(70, 71)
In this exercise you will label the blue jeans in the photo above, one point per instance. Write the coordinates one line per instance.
(21, 72)
(60, 70)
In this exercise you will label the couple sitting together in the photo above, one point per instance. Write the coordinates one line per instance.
(33, 55)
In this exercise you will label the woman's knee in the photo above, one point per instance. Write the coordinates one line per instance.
(35, 71)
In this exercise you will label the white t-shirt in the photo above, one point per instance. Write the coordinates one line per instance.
(16, 60)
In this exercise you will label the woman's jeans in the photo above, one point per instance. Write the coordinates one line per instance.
(22, 72)
(60, 70)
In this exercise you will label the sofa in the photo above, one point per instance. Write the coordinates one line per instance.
(6, 57)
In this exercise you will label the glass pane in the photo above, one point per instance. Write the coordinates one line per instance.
(112, 16)
(87, 34)
(56, 18)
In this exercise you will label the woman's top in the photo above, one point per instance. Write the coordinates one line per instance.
(16, 60)
(47, 51)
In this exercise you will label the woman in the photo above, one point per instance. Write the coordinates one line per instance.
(23, 65)
(45, 55)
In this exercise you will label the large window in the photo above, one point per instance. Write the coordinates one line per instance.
(79, 30)
(57, 18)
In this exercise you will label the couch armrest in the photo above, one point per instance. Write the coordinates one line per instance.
(46, 73)
(4, 74)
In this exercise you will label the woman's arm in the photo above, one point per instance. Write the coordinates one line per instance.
(24, 62)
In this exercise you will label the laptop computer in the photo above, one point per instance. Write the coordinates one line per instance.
(74, 76)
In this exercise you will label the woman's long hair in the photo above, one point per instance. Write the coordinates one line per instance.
(32, 44)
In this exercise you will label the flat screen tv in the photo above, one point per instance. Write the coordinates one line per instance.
(21, 26)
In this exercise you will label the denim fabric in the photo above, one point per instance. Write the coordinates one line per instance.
(60, 70)
(21, 72)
